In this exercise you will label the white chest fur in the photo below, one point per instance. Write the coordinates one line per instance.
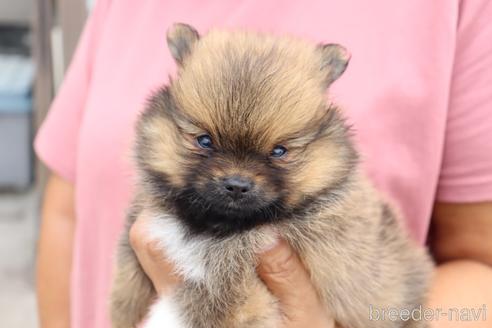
(186, 253)
(164, 314)
(191, 255)
(188, 257)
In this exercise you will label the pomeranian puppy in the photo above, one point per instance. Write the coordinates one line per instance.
(243, 146)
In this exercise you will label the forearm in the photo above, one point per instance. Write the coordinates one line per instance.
(55, 256)
(463, 287)
(53, 272)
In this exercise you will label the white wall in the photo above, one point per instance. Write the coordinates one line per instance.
(16, 11)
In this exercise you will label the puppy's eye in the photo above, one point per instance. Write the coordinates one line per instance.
(278, 151)
(205, 141)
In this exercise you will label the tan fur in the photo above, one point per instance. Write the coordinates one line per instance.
(317, 172)
(165, 151)
(259, 310)
(259, 91)
(301, 93)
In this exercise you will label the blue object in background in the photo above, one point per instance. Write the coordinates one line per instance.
(16, 78)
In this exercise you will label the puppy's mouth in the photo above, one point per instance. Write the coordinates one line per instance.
(221, 215)
(229, 205)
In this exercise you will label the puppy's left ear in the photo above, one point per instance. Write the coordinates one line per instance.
(180, 39)
(334, 61)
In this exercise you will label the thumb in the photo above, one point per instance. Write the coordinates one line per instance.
(283, 273)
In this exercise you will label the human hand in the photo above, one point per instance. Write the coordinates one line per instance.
(284, 275)
(152, 257)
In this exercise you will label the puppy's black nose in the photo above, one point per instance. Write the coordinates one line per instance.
(237, 186)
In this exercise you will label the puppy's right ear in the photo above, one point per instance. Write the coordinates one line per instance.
(180, 40)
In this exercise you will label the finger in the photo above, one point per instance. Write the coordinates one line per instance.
(142, 241)
(283, 273)
(152, 256)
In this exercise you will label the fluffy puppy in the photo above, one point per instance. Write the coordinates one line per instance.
(241, 146)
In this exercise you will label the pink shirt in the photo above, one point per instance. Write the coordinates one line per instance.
(418, 91)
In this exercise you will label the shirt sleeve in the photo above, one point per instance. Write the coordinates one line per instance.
(466, 173)
(57, 138)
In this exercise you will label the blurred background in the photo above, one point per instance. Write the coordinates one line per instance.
(37, 39)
